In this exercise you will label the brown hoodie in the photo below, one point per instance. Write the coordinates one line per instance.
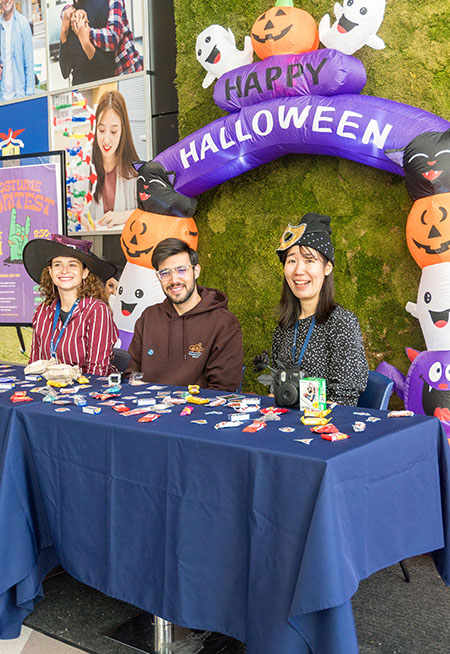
(203, 346)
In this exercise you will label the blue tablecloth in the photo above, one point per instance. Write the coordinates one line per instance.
(253, 535)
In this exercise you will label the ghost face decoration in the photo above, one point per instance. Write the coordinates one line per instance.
(138, 288)
(427, 386)
(144, 230)
(356, 25)
(284, 29)
(156, 193)
(433, 306)
(216, 51)
(426, 162)
(428, 230)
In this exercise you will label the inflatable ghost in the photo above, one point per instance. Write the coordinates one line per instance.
(426, 388)
(217, 53)
(139, 286)
(156, 193)
(138, 289)
(433, 306)
(357, 23)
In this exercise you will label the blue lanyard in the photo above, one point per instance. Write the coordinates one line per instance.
(53, 345)
(305, 342)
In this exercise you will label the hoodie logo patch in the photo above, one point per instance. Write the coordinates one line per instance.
(150, 352)
(196, 351)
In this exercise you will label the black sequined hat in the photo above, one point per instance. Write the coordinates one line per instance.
(314, 231)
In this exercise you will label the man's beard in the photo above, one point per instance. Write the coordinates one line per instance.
(182, 298)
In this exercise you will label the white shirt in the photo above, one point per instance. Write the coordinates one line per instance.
(8, 82)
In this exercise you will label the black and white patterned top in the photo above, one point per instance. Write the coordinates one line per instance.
(335, 352)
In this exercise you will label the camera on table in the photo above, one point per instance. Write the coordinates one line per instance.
(286, 385)
(283, 380)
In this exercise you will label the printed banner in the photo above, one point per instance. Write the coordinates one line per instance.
(29, 202)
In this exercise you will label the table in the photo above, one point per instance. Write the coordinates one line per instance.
(253, 535)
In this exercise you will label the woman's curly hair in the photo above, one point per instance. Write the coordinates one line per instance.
(92, 286)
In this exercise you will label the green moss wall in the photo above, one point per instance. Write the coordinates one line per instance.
(241, 221)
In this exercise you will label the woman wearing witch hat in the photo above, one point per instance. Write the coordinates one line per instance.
(314, 332)
(73, 324)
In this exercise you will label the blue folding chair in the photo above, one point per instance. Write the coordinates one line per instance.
(378, 391)
(121, 359)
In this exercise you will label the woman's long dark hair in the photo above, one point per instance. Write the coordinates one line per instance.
(126, 152)
(290, 306)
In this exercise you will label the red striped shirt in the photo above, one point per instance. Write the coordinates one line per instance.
(87, 341)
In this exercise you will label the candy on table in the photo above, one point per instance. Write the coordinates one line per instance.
(287, 430)
(228, 423)
(197, 400)
(134, 412)
(336, 436)
(200, 422)
(193, 389)
(270, 416)
(186, 411)
(274, 409)
(254, 427)
(239, 416)
(217, 402)
(145, 401)
(305, 441)
(314, 421)
(324, 429)
(149, 417)
(79, 400)
(93, 410)
(359, 426)
(120, 408)
(400, 414)
(316, 413)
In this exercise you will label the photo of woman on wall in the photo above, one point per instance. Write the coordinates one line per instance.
(113, 152)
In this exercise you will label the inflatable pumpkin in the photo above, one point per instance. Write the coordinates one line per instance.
(428, 230)
(144, 230)
(284, 29)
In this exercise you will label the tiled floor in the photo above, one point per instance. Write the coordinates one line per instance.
(32, 642)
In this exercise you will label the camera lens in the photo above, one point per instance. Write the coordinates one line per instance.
(289, 394)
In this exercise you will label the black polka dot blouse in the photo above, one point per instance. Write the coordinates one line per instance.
(335, 352)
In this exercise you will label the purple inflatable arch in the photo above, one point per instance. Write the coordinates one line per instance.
(357, 127)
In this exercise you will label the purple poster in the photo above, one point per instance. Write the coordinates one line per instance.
(29, 208)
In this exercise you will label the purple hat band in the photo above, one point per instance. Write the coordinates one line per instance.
(82, 246)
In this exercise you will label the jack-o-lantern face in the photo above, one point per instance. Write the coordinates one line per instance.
(284, 29)
(428, 230)
(144, 230)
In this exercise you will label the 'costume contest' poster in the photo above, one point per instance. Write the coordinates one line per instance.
(28, 209)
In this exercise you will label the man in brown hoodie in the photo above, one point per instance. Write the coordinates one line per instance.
(191, 337)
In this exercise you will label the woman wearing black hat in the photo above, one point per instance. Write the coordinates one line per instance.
(73, 324)
(313, 331)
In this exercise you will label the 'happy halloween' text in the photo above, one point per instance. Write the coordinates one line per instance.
(322, 120)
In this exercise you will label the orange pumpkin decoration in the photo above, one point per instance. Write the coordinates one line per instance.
(284, 29)
(428, 230)
(144, 230)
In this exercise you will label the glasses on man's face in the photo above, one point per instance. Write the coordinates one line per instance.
(165, 273)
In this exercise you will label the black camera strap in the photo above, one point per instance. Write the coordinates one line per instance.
(305, 342)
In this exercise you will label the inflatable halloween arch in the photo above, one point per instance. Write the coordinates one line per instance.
(299, 103)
